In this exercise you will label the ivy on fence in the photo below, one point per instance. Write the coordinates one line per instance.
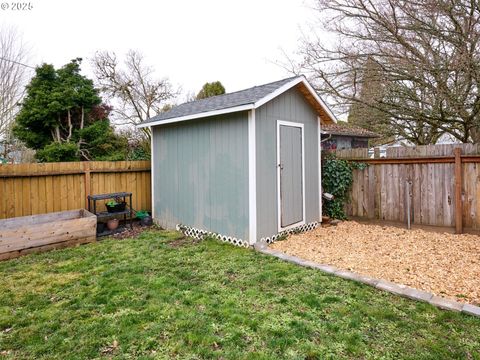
(337, 179)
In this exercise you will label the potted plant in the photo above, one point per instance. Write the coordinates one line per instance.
(145, 218)
(115, 205)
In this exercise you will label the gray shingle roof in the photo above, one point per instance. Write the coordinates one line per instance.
(225, 101)
(348, 130)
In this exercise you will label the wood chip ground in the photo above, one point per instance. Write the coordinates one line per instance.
(445, 264)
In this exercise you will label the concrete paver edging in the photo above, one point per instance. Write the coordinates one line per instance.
(384, 285)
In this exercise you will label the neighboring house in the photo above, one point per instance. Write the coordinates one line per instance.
(337, 136)
(245, 165)
(15, 154)
(3, 160)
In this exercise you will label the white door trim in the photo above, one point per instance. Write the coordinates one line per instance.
(279, 199)
(252, 179)
(152, 172)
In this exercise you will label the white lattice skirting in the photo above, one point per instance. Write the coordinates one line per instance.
(202, 234)
(295, 230)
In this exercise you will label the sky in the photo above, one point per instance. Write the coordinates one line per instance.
(191, 42)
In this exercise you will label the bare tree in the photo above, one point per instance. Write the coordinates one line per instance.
(427, 55)
(137, 94)
(14, 74)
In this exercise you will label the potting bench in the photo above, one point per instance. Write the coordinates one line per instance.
(127, 213)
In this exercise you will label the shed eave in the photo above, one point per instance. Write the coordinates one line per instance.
(197, 116)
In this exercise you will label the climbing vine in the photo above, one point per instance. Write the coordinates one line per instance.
(337, 178)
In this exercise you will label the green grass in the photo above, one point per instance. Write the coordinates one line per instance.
(144, 298)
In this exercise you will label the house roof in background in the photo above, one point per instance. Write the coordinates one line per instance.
(242, 100)
(348, 130)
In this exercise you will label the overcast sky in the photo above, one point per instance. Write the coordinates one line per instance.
(190, 42)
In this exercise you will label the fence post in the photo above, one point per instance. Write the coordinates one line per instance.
(86, 169)
(458, 191)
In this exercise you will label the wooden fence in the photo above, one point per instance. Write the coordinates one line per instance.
(29, 189)
(442, 189)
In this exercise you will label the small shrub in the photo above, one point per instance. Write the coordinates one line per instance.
(142, 214)
(55, 152)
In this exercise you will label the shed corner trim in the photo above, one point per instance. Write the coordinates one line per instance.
(252, 179)
(319, 154)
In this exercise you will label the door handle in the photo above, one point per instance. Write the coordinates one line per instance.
(280, 166)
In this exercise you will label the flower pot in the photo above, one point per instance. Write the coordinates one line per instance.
(116, 208)
(147, 221)
(112, 224)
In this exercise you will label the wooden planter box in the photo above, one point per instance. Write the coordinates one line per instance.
(28, 234)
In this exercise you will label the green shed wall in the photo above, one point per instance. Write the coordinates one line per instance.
(201, 174)
(290, 106)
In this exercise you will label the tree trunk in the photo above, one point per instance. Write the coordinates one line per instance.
(475, 134)
(57, 133)
(82, 119)
(147, 133)
(69, 119)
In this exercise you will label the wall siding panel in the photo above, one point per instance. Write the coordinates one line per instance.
(201, 174)
(290, 106)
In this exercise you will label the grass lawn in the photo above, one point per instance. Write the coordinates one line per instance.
(154, 297)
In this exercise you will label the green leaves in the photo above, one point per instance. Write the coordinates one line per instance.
(55, 152)
(211, 89)
(337, 178)
(51, 95)
(62, 117)
(102, 143)
(141, 214)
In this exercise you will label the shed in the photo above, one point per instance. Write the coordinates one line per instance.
(345, 136)
(243, 165)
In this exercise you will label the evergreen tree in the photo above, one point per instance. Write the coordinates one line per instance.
(63, 119)
(211, 89)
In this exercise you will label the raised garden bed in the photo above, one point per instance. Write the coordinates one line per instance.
(27, 234)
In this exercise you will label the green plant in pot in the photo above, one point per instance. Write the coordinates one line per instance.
(145, 218)
(115, 205)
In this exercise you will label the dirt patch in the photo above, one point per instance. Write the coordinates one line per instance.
(183, 241)
(128, 232)
(445, 264)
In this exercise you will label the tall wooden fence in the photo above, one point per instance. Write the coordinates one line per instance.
(29, 189)
(441, 189)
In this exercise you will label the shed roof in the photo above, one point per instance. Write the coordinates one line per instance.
(242, 100)
(348, 130)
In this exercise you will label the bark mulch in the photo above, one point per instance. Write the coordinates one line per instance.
(445, 264)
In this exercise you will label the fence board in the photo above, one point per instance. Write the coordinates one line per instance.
(31, 189)
(26, 197)
(379, 191)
